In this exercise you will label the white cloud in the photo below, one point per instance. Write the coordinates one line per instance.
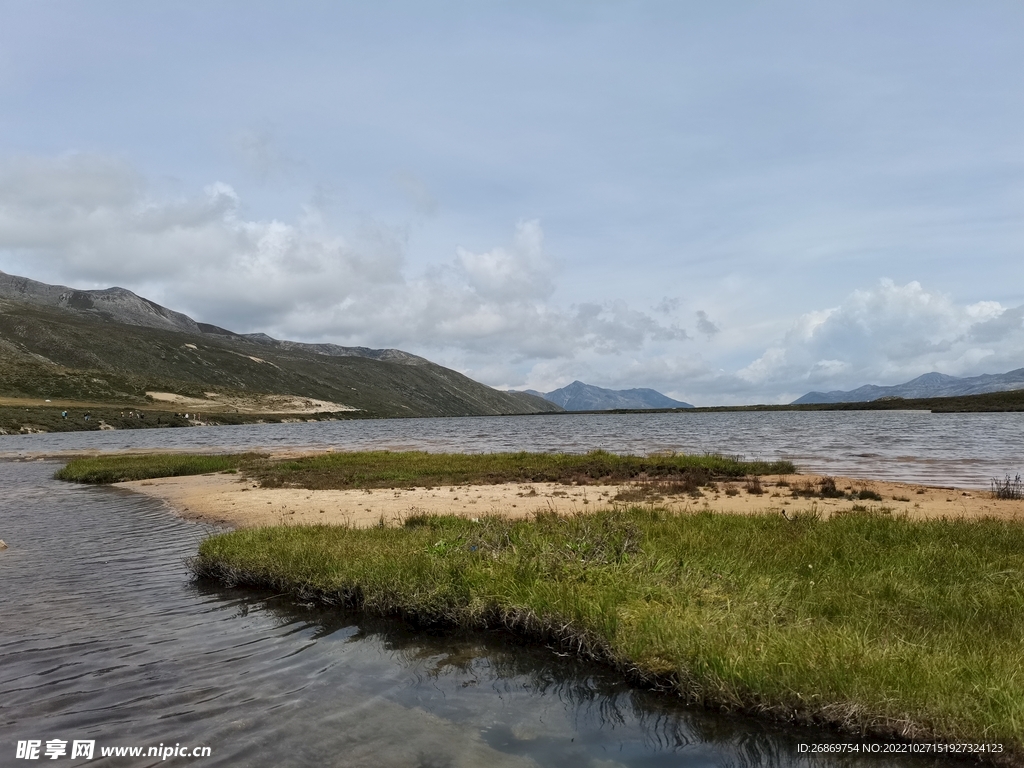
(90, 221)
(523, 271)
(889, 334)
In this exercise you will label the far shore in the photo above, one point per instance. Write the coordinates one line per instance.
(33, 415)
(227, 500)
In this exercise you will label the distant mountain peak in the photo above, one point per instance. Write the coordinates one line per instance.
(586, 397)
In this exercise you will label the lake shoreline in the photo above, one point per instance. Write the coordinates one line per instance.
(232, 499)
(228, 500)
(585, 584)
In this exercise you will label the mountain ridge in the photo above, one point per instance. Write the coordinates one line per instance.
(112, 345)
(124, 306)
(932, 384)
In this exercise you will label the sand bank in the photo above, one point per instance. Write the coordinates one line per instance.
(256, 403)
(228, 500)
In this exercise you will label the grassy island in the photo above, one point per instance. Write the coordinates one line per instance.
(408, 469)
(866, 620)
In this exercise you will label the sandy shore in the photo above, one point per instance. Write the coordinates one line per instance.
(227, 500)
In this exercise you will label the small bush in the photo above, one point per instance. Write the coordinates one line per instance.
(827, 489)
(803, 489)
(1008, 489)
(754, 486)
(657, 489)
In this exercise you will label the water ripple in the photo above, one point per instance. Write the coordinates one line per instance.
(962, 449)
(104, 637)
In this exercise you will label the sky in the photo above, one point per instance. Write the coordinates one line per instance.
(728, 202)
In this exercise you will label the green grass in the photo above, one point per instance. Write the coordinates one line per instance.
(409, 469)
(864, 620)
(385, 469)
(120, 468)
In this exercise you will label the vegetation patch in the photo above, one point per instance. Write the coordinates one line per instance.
(863, 620)
(121, 468)
(412, 469)
(688, 483)
(826, 488)
(1008, 489)
(385, 469)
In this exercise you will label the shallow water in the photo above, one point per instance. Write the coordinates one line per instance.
(958, 449)
(105, 637)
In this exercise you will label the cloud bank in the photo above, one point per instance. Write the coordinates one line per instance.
(91, 221)
(888, 334)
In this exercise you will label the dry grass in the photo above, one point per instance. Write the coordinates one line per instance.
(1008, 489)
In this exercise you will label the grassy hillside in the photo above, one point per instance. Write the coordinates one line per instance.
(47, 353)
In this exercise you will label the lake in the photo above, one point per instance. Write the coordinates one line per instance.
(105, 637)
(964, 450)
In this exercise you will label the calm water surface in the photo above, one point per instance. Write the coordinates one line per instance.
(961, 449)
(103, 636)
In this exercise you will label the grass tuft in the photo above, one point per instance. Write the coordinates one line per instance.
(1008, 489)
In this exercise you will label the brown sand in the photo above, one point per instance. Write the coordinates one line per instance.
(227, 500)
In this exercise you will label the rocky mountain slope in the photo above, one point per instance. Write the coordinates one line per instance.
(928, 385)
(114, 346)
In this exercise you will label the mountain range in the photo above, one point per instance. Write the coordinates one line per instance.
(112, 345)
(927, 385)
(586, 397)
